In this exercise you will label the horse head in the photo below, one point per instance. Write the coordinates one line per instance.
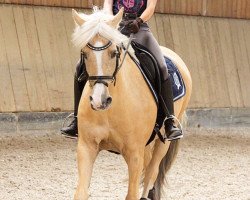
(99, 42)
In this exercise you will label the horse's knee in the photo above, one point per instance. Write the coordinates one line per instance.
(134, 157)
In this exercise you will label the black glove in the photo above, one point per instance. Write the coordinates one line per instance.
(130, 26)
(134, 25)
(123, 27)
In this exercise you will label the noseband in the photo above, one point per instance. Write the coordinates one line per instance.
(101, 79)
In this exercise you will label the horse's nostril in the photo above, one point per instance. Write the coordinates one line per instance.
(90, 98)
(109, 100)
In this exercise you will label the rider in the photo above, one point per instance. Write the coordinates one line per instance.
(135, 17)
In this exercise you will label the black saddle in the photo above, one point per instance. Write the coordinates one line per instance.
(152, 75)
(149, 68)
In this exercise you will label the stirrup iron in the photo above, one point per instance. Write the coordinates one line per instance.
(179, 125)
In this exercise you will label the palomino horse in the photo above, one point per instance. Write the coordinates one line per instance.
(126, 125)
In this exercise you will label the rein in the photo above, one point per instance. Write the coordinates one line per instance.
(101, 79)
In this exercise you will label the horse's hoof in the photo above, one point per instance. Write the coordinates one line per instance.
(151, 194)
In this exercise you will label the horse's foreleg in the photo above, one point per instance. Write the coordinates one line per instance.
(86, 155)
(134, 159)
(153, 168)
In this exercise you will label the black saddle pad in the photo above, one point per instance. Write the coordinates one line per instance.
(179, 89)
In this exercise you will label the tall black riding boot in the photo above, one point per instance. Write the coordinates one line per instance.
(172, 132)
(71, 130)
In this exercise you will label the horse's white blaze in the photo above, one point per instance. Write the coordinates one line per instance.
(99, 90)
(98, 55)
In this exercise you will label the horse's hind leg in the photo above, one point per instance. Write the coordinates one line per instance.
(86, 155)
(153, 168)
(134, 159)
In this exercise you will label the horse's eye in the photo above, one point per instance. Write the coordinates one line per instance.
(114, 53)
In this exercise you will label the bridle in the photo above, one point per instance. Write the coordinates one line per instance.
(102, 79)
(112, 78)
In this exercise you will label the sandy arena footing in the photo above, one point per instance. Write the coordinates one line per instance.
(213, 164)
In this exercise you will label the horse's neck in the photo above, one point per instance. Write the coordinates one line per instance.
(130, 81)
(128, 75)
(133, 101)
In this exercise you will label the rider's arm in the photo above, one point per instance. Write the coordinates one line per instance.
(148, 13)
(108, 6)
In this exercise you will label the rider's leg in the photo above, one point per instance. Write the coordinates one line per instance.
(146, 38)
(172, 132)
(71, 130)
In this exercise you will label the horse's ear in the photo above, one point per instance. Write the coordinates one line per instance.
(117, 18)
(77, 18)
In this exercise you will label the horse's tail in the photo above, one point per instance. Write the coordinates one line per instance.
(165, 165)
(167, 162)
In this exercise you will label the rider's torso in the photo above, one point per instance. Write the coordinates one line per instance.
(130, 6)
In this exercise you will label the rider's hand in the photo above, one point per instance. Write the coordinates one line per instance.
(123, 27)
(134, 25)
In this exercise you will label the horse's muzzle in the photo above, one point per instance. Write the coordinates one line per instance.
(105, 103)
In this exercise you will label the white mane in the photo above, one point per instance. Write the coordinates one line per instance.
(96, 23)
